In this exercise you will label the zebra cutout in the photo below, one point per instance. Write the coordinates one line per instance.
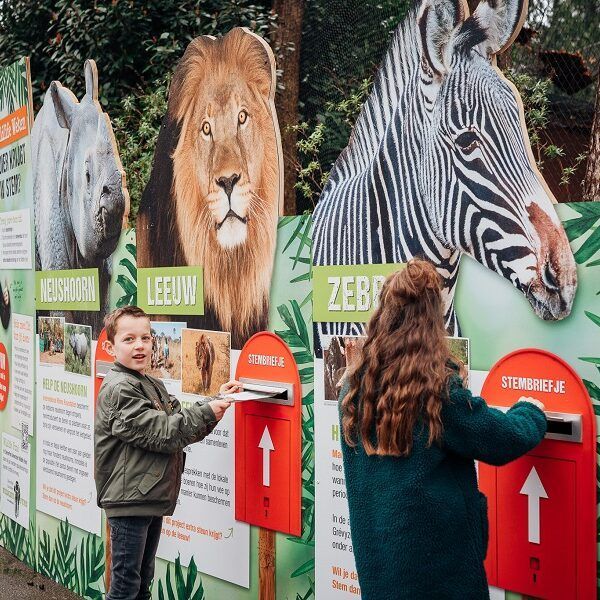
(439, 164)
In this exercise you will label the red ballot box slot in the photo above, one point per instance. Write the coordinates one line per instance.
(268, 438)
(542, 507)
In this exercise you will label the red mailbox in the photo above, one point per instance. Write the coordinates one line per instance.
(103, 363)
(542, 507)
(268, 438)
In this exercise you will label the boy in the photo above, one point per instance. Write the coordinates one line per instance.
(139, 435)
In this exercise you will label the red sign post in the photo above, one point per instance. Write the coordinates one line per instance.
(268, 437)
(542, 507)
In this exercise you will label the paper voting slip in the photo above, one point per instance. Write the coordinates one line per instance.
(254, 391)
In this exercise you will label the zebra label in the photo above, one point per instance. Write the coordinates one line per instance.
(348, 293)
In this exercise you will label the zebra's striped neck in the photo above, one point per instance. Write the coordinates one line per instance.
(371, 210)
(391, 90)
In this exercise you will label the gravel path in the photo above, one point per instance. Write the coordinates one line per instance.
(18, 581)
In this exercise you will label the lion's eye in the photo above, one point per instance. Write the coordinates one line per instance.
(242, 117)
(206, 128)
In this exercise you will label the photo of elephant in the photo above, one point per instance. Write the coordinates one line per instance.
(78, 348)
(80, 198)
(206, 361)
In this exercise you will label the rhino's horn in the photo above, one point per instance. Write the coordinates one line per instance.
(91, 79)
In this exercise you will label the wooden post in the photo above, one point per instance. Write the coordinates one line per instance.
(107, 558)
(266, 564)
(286, 39)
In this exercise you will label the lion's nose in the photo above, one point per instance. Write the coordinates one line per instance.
(228, 183)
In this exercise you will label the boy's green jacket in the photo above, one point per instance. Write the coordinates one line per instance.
(139, 435)
(419, 524)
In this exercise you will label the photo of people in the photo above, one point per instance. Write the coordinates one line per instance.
(206, 361)
(78, 348)
(51, 331)
(340, 358)
(165, 361)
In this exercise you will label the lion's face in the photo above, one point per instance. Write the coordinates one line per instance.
(226, 160)
(230, 151)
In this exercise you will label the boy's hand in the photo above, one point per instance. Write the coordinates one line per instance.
(533, 401)
(231, 387)
(219, 407)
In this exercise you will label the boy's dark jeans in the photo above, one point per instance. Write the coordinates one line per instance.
(134, 541)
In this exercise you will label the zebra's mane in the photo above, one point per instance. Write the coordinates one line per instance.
(400, 62)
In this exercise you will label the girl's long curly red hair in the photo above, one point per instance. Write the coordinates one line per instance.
(403, 373)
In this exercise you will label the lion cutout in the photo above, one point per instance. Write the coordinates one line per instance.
(216, 185)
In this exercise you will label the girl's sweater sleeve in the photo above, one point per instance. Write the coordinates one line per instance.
(474, 430)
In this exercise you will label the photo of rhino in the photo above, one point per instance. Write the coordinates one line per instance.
(80, 198)
(78, 349)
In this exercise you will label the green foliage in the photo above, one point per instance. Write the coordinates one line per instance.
(184, 586)
(128, 284)
(343, 42)
(337, 121)
(535, 95)
(17, 540)
(136, 130)
(79, 569)
(134, 43)
(298, 336)
(589, 220)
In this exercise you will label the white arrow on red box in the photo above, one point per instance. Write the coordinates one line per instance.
(534, 490)
(266, 443)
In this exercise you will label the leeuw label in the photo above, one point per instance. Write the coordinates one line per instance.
(171, 290)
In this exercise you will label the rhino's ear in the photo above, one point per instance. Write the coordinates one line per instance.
(65, 104)
(499, 23)
(438, 22)
(91, 79)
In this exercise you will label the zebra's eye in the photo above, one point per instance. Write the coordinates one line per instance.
(468, 140)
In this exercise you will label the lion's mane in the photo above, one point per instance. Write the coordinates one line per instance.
(175, 226)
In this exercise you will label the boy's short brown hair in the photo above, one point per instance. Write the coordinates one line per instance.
(112, 318)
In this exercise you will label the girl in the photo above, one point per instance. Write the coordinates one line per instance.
(411, 433)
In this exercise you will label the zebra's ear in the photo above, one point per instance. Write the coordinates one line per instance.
(501, 20)
(438, 22)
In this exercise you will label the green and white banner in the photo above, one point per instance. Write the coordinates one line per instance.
(348, 293)
(75, 289)
(171, 290)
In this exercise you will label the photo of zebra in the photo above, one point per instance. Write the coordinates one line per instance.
(439, 164)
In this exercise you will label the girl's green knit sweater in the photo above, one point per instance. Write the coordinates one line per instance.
(419, 524)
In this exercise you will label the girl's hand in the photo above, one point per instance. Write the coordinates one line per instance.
(219, 407)
(231, 387)
(533, 401)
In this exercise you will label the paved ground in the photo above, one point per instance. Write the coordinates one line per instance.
(19, 582)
